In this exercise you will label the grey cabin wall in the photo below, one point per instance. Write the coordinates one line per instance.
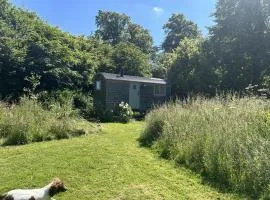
(116, 91)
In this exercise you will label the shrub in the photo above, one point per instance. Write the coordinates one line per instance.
(74, 102)
(29, 122)
(123, 113)
(59, 97)
(59, 131)
(16, 134)
(266, 194)
(104, 115)
(227, 140)
(85, 104)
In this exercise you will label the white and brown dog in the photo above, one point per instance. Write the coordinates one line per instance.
(44, 193)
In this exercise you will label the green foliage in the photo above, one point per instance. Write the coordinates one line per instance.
(30, 122)
(78, 103)
(235, 55)
(266, 194)
(112, 26)
(123, 113)
(182, 73)
(240, 41)
(104, 115)
(36, 57)
(140, 37)
(176, 29)
(226, 139)
(115, 28)
(134, 62)
(153, 130)
(266, 82)
(15, 134)
(162, 64)
(187, 70)
(84, 103)
(30, 48)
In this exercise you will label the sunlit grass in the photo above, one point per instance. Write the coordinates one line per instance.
(225, 139)
(107, 165)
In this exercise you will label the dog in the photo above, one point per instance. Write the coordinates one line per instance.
(45, 193)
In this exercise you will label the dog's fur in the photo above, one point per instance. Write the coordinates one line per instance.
(44, 193)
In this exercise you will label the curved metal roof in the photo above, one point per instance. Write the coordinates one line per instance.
(109, 76)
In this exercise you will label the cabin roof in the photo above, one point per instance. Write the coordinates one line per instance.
(109, 76)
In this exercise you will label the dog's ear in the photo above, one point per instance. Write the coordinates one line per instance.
(56, 187)
(52, 190)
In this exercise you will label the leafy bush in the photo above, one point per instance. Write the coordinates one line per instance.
(29, 122)
(227, 140)
(16, 134)
(85, 104)
(123, 112)
(75, 102)
(102, 114)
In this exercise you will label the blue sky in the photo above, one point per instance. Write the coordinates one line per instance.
(78, 16)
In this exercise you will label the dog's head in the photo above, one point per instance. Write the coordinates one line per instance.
(56, 186)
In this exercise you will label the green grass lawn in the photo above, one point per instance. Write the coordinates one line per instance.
(108, 165)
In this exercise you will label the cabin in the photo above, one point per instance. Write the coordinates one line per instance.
(139, 92)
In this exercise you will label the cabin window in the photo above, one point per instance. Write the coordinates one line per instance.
(98, 85)
(160, 90)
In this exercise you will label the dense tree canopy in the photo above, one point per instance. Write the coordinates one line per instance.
(235, 55)
(131, 59)
(176, 29)
(30, 47)
(37, 56)
(241, 42)
(114, 28)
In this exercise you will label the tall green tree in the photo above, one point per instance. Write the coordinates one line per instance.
(176, 29)
(240, 39)
(162, 63)
(140, 37)
(114, 28)
(131, 59)
(182, 73)
(30, 46)
(188, 70)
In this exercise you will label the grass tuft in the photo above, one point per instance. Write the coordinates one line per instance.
(29, 122)
(227, 140)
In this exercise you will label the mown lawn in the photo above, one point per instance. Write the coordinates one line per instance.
(108, 165)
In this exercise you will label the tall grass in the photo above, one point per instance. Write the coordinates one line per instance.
(29, 122)
(227, 140)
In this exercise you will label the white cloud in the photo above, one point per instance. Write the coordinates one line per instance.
(158, 10)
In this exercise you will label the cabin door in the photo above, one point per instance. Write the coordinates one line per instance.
(134, 95)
